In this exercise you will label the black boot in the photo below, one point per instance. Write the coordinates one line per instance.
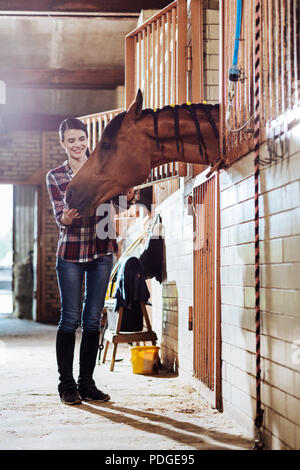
(87, 360)
(67, 388)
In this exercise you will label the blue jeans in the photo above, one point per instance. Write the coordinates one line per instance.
(70, 276)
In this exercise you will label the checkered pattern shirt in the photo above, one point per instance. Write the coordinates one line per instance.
(77, 242)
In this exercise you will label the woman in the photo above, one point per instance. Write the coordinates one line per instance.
(80, 252)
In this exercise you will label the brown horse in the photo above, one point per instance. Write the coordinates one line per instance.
(137, 140)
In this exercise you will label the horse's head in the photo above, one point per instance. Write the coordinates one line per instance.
(115, 165)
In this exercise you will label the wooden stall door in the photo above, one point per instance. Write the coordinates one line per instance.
(156, 63)
(207, 361)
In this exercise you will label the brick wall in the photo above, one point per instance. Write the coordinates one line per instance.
(280, 294)
(23, 154)
(20, 155)
(53, 156)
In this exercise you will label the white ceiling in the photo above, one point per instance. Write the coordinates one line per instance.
(47, 42)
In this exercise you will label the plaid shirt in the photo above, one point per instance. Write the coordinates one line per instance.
(77, 242)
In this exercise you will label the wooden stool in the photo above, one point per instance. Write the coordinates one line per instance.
(115, 337)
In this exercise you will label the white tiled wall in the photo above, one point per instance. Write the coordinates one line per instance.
(171, 300)
(279, 205)
(211, 55)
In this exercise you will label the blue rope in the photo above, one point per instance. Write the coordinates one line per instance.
(234, 71)
(237, 31)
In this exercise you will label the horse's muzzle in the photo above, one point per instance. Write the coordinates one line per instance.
(74, 202)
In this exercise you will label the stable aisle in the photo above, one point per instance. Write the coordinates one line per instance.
(145, 412)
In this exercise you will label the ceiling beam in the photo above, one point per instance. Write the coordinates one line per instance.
(89, 78)
(83, 6)
(29, 122)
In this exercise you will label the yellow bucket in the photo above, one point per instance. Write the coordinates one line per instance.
(145, 359)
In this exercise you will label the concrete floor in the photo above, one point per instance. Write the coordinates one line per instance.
(145, 412)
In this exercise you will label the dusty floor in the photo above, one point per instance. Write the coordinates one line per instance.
(145, 412)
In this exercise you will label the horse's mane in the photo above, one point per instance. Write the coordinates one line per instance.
(112, 128)
(192, 108)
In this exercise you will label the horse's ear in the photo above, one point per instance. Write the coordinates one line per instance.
(135, 109)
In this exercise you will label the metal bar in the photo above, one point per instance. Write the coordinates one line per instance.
(169, 58)
(196, 271)
(271, 60)
(296, 48)
(289, 60)
(181, 69)
(203, 289)
(149, 71)
(213, 283)
(197, 50)
(212, 310)
(90, 141)
(140, 83)
(159, 62)
(209, 286)
(174, 58)
(135, 65)
(145, 67)
(265, 37)
(94, 132)
(181, 51)
(105, 120)
(218, 353)
(153, 68)
(165, 65)
(206, 258)
(276, 49)
(198, 288)
(206, 279)
(163, 98)
(282, 53)
(129, 67)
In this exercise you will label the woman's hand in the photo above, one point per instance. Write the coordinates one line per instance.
(68, 216)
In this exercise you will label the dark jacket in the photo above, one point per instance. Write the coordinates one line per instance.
(152, 258)
(131, 289)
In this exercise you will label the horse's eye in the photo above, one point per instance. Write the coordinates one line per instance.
(105, 145)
